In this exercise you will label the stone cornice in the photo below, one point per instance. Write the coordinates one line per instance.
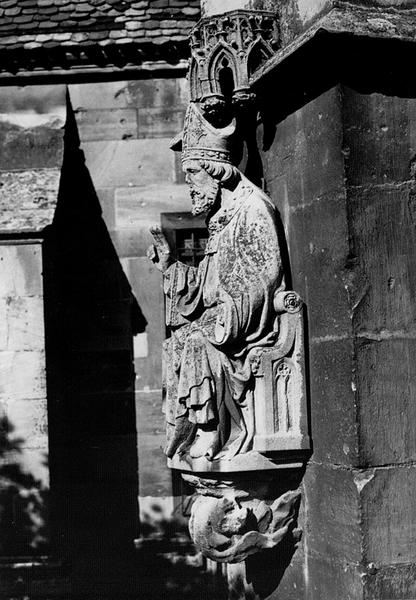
(353, 20)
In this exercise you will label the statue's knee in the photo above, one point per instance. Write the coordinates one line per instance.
(197, 338)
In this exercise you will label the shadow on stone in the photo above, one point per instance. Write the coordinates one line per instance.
(91, 316)
(23, 500)
(265, 570)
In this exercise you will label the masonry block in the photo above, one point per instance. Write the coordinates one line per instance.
(159, 122)
(34, 193)
(391, 583)
(140, 206)
(21, 323)
(379, 137)
(106, 124)
(20, 270)
(330, 580)
(307, 150)
(29, 417)
(389, 515)
(99, 96)
(22, 375)
(151, 93)
(106, 198)
(133, 162)
(318, 243)
(386, 383)
(332, 527)
(383, 281)
(155, 479)
(334, 426)
(146, 283)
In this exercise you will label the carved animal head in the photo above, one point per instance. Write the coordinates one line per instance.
(226, 532)
(215, 520)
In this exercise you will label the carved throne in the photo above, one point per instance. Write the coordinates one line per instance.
(280, 409)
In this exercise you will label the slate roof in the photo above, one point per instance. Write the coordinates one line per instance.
(35, 32)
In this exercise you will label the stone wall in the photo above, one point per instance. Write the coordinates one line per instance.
(340, 171)
(125, 129)
(31, 147)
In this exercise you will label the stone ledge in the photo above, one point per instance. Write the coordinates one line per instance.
(352, 20)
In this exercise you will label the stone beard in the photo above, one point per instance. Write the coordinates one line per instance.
(204, 199)
(217, 314)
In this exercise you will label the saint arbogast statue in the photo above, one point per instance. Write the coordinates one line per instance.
(221, 311)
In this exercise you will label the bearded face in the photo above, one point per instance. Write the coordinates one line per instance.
(203, 188)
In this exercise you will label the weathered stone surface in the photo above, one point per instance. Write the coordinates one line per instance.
(389, 515)
(155, 479)
(159, 122)
(31, 152)
(146, 284)
(318, 242)
(106, 198)
(30, 420)
(99, 96)
(367, 365)
(157, 93)
(386, 388)
(328, 579)
(379, 137)
(307, 152)
(334, 419)
(107, 124)
(332, 511)
(22, 375)
(383, 275)
(134, 162)
(20, 270)
(34, 193)
(139, 207)
(391, 583)
(21, 323)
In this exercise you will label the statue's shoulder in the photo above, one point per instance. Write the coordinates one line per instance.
(255, 200)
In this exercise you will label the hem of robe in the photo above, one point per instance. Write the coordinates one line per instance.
(197, 403)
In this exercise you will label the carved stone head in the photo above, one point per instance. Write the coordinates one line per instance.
(205, 178)
(227, 530)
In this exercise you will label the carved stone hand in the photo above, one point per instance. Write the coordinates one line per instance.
(159, 252)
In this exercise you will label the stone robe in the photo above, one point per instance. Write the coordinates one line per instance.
(217, 313)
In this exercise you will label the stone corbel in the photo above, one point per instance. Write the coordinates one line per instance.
(226, 52)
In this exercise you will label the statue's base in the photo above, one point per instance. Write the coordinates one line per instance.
(250, 461)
